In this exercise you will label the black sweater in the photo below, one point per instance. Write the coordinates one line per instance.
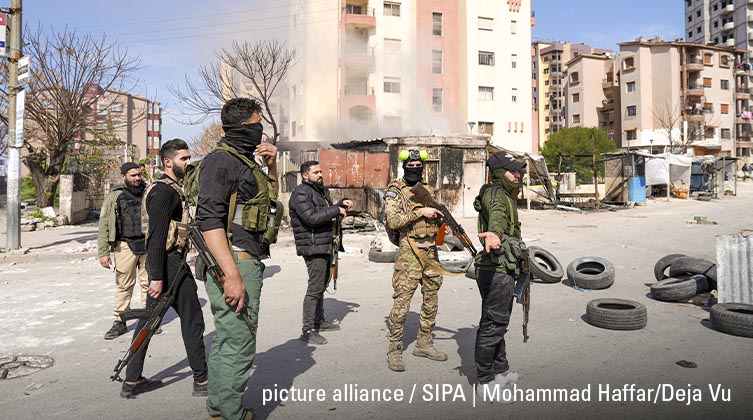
(162, 205)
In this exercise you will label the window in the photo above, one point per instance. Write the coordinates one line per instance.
(631, 86)
(392, 46)
(391, 9)
(726, 133)
(710, 132)
(391, 85)
(576, 119)
(725, 61)
(485, 24)
(631, 111)
(724, 108)
(514, 61)
(485, 58)
(629, 63)
(707, 82)
(708, 107)
(486, 128)
(514, 95)
(724, 84)
(708, 59)
(698, 14)
(436, 24)
(352, 9)
(631, 134)
(485, 93)
(513, 27)
(574, 78)
(690, 34)
(116, 107)
(690, 18)
(436, 99)
(436, 61)
(716, 24)
(292, 128)
(576, 97)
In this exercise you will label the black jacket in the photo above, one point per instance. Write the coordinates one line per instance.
(312, 217)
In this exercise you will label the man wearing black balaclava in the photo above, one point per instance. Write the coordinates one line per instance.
(120, 234)
(413, 226)
(231, 168)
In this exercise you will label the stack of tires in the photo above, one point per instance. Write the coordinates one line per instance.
(688, 277)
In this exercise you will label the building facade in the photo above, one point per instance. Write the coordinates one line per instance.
(367, 69)
(591, 94)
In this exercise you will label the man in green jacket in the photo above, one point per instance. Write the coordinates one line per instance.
(497, 267)
(120, 233)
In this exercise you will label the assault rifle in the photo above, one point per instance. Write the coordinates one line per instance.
(337, 246)
(424, 196)
(153, 320)
(197, 239)
(522, 290)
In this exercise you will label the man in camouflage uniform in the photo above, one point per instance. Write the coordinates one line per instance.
(497, 267)
(418, 224)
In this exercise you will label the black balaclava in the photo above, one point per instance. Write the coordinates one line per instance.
(243, 137)
(413, 176)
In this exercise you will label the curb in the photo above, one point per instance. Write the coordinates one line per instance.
(38, 257)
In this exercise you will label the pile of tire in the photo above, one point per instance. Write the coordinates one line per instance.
(544, 266)
(688, 277)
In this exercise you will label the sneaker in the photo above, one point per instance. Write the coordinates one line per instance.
(313, 337)
(200, 390)
(485, 389)
(140, 387)
(118, 328)
(505, 379)
(327, 325)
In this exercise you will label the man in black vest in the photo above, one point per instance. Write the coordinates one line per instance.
(120, 234)
(312, 216)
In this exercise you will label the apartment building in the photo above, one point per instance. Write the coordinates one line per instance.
(591, 93)
(719, 22)
(549, 63)
(366, 69)
(686, 93)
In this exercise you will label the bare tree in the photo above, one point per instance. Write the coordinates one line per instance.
(263, 64)
(67, 98)
(669, 120)
(204, 143)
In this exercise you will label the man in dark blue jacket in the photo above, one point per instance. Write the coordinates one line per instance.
(313, 218)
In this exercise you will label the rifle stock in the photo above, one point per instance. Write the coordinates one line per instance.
(424, 196)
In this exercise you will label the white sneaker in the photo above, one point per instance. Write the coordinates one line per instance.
(505, 379)
(485, 389)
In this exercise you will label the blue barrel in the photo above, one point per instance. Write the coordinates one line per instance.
(637, 189)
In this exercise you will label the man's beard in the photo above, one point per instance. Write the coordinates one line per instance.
(179, 172)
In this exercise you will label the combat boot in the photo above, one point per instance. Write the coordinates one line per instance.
(425, 348)
(395, 356)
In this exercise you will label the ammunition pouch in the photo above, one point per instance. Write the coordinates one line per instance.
(261, 215)
(274, 220)
(200, 269)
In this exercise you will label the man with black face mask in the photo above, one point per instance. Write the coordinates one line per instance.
(120, 233)
(417, 226)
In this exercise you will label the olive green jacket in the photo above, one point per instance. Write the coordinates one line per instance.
(107, 233)
(498, 213)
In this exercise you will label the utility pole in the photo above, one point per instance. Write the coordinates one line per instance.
(13, 220)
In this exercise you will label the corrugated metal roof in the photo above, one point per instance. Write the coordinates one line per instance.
(734, 270)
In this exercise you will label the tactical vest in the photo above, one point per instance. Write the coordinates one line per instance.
(421, 228)
(177, 233)
(128, 220)
(511, 252)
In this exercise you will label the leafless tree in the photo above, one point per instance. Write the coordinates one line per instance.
(204, 143)
(263, 64)
(70, 77)
(669, 120)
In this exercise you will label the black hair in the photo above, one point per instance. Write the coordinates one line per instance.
(170, 148)
(305, 166)
(237, 110)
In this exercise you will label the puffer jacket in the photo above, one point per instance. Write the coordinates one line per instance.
(312, 217)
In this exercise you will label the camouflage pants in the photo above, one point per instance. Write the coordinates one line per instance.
(409, 273)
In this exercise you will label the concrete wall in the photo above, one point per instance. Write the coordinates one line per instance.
(73, 204)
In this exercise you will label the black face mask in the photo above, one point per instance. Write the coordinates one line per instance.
(244, 137)
(413, 175)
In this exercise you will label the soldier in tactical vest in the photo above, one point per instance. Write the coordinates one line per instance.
(497, 267)
(120, 234)
(417, 226)
(164, 211)
(238, 215)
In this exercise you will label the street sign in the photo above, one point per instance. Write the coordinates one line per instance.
(3, 35)
(20, 105)
(23, 70)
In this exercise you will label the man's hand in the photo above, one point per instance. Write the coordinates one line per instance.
(429, 212)
(105, 261)
(348, 204)
(235, 292)
(268, 151)
(343, 212)
(491, 241)
(155, 288)
(447, 230)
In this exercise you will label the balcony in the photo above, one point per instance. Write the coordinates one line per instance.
(730, 8)
(360, 17)
(607, 83)
(607, 105)
(730, 42)
(695, 117)
(743, 121)
(728, 26)
(359, 61)
(694, 63)
(742, 94)
(695, 90)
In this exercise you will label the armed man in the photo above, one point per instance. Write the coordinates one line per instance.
(314, 219)
(164, 221)
(120, 234)
(417, 226)
(498, 266)
(239, 218)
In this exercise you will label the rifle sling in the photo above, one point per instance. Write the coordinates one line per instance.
(430, 264)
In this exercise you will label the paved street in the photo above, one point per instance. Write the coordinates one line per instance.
(60, 306)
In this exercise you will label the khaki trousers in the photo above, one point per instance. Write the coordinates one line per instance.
(127, 265)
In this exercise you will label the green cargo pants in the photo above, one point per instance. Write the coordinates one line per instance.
(233, 346)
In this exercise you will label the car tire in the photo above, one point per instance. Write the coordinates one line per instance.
(376, 255)
(616, 314)
(544, 265)
(591, 273)
(693, 265)
(679, 289)
(733, 318)
(664, 262)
